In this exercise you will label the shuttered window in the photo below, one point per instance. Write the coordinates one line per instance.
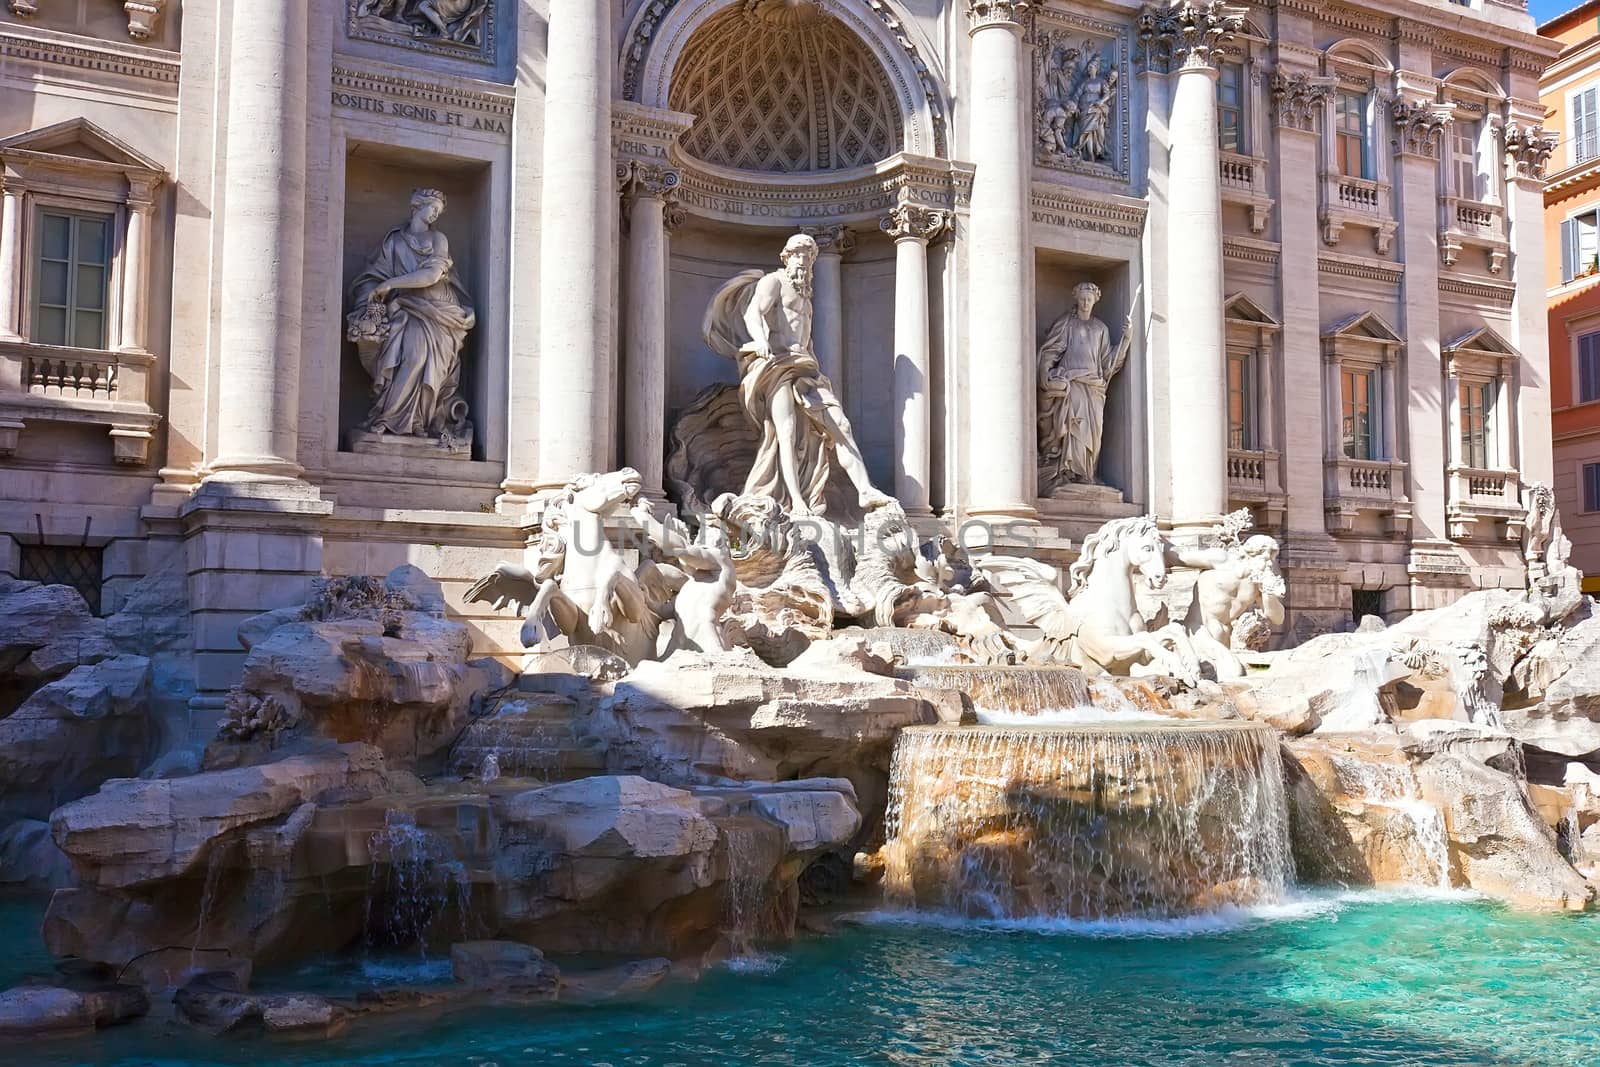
(1585, 125)
(1591, 487)
(1580, 246)
(1589, 368)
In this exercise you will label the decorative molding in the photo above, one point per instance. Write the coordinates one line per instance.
(1300, 98)
(1528, 149)
(837, 240)
(636, 178)
(464, 32)
(1081, 125)
(101, 57)
(443, 103)
(985, 13)
(23, 8)
(1054, 205)
(1523, 61)
(1498, 295)
(914, 222)
(1246, 250)
(1419, 127)
(1370, 270)
(1193, 32)
(930, 87)
(857, 196)
(646, 133)
(144, 17)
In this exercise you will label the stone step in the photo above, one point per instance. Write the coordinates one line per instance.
(530, 735)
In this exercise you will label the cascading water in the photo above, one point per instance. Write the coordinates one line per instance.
(1086, 821)
(1008, 690)
(416, 877)
(1425, 840)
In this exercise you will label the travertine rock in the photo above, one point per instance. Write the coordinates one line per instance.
(628, 980)
(504, 965)
(46, 630)
(29, 858)
(41, 1009)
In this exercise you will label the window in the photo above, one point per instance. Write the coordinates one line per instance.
(1589, 368)
(1464, 136)
(73, 279)
(1477, 401)
(1580, 249)
(1350, 136)
(1242, 401)
(1585, 125)
(1364, 602)
(1591, 487)
(78, 566)
(1230, 109)
(1360, 401)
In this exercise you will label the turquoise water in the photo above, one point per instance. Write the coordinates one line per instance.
(1359, 979)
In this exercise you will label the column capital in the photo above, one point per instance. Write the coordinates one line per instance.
(913, 222)
(636, 179)
(673, 213)
(836, 240)
(982, 14)
(1528, 149)
(1299, 96)
(1419, 127)
(1187, 35)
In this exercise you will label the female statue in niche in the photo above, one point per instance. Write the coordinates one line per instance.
(409, 321)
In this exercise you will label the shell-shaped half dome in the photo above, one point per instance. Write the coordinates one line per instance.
(779, 86)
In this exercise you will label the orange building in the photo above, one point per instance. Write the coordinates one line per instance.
(1570, 92)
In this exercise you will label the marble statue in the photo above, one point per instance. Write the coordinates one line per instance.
(1553, 582)
(583, 587)
(763, 321)
(410, 317)
(1075, 99)
(1096, 625)
(1238, 581)
(1076, 366)
(449, 21)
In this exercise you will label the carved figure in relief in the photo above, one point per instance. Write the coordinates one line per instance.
(581, 586)
(452, 21)
(409, 321)
(1076, 366)
(1553, 582)
(1238, 578)
(1076, 96)
(1097, 626)
(763, 321)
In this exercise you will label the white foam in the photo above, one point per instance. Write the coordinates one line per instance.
(754, 963)
(1086, 714)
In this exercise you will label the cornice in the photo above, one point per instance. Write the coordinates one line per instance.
(101, 57)
(451, 93)
(1250, 250)
(1483, 292)
(1123, 216)
(1371, 270)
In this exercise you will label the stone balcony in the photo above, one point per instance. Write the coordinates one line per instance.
(1244, 182)
(1475, 224)
(1255, 481)
(1485, 503)
(46, 383)
(1357, 202)
(1376, 486)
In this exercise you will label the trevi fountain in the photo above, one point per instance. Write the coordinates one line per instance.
(789, 767)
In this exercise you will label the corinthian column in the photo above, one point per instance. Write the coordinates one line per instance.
(999, 333)
(827, 300)
(575, 287)
(645, 188)
(912, 227)
(1185, 40)
(264, 214)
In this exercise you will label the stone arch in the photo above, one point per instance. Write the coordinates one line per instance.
(1473, 79)
(660, 33)
(1354, 50)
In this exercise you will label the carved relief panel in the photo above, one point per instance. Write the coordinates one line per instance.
(461, 29)
(1080, 98)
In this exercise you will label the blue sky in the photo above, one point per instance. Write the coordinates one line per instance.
(1545, 10)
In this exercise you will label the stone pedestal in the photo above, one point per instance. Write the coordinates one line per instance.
(366, 442)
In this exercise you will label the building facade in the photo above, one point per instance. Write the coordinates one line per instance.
(1310, 230)
(1569, 92)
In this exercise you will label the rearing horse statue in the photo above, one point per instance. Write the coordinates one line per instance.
(1096, 626)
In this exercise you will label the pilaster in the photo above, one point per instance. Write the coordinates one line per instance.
(912, 227)
(1528, 150)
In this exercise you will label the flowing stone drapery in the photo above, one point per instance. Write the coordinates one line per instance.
(645, 189)
(1000, 331)
(263, 265)
(912, 227)
(1185, 39)
(576, 244)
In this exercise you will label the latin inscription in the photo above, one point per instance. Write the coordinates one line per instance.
(422, 113)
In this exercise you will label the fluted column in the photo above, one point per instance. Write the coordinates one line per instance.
(576, 243)
(263, 263)
(10, 260)
(1187, 38)
(645, 188)
(999, 332)
(135, 270)
(1528, 149)
(912, 227)
(827, 300)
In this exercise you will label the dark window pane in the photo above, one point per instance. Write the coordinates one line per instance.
(50, 326)
(53, 284)
(88, 330)
(92, 240)
(91, 291)
(56, 236)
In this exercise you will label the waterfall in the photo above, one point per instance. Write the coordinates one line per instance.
(1086, 822)
(1392, 787)
(1008, 690)
(417, 877)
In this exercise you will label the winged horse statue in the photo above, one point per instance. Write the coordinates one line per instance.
(1096, 625)
(582, 586)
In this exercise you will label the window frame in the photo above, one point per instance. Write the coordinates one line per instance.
(1583, 139)
(1368, 165)
(35, 205)
(1249, 425)
(72, 307)
(1578, 397)
(1589, 478)
(1241, 110)
(1479, 444)
(1349, 373)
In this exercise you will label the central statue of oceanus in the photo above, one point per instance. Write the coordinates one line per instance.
(763, 322)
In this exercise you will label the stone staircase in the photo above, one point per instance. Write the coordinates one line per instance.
(529, 735)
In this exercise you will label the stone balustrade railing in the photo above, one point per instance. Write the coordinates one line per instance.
(46, 383)
(1352, 486)
(1481, 497)
(1358, 194)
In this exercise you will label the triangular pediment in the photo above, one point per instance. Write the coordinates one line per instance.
(1240, 308)
(79, 139)
(1365, 326)
(1483, 339)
